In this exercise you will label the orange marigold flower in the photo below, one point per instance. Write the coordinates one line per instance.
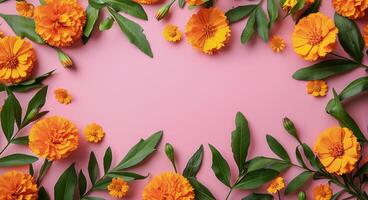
(277, 44)
(147, 1)
(118, 188)
(172, 33)
(338, 150)
(18, 186)
(60, 22)
(94, 133)
(276, 185)
(63, 96)
(17, 59)
(289, 4)
(24, 8)
(317, 88)
(322, 192)
(2, 34)
(208, 30)
(352, 9)
(195, 2)
(53, 138)
(168, 184)
(314, 36)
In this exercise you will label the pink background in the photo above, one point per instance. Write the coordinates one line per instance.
(191, 96)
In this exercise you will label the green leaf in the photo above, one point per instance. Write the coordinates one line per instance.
(240, 141)
(277, 148)
(92, 198)
(127, 6)
(102, 183)
(98, 4)
(298, 182)
(249, 29)
(299, 5)
(350, 37)
(257, 196)
(181, 3)
(239, 13)
(220, 167)
(92, 17)
(93, 169)
(345, 120)
(23, 27)
(310, 156)
(44, 168)
(42, 194)
(325, 69)
(134, 32)
(7, 118)
(17, 109)
(82, 183)
(107, 159)
(140, 151)
(262, 24)
(194, 163)
(106, 24)
(255, 179)
(30, 84)
(362, 170)
(268, 163)
(311, 9)
(337, 195)
(31, 170)
(127, 176)
(34, 105)
(273, 11)
(20, 140)
(299, 157)
(66, 184)
(17, 160)
(201, 191)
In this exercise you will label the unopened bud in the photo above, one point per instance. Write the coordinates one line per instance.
(302, 196)
(64, 59)
(163, 11)
(290, 128)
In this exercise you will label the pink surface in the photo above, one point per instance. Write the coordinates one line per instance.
(191, 96)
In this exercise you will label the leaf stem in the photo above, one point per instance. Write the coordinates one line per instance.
(228, 194)
(278, 194)
(10, 141)
(342, 57)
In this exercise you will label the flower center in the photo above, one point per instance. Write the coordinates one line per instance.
(316, 88)
(172, 33)
(13, 62)
(336, 149)
(315, 37)
(208, 30)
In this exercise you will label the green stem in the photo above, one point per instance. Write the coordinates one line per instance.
(278, 194)
(228, 194)
(342, 57)
(10, 141)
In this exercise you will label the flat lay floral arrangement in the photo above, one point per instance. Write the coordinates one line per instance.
(337, 157)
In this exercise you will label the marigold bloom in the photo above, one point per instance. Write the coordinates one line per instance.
(18, 186)
(62, 96)
(94, 133)
(118, 188)
(1, 34)
(276, 185)
(352, 9)
(317, 88)
(338, 150)
(168, 184)
(17, 59)
(24, 8)
(60, 22)
(194, 2)
(314, 36)
(208, 30)
(289, 4)
(322, 192)
(172, 33)
(277, 44)
(147, 1)
(53, 138)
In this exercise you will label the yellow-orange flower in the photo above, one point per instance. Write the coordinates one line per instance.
(172, 33)
(338, 150)
(60, 22)
(277, 44)
(168, 184)
(317, 88)
(276, 185)
(94, 133)
(314, 36)
(195, 2)
(322, 192)
(352, 9)
(53, 138)
(16, 185)
(147, 1)
(365, 35)
(309, 1)
(17, 59)
(1, 34)
(118, 188)
(289, 4)
(62, 96)
(24, 8)
(208, 30)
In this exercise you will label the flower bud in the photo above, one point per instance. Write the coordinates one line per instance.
(290, 128)
(64, 59)
(302, 196)
(169, 150)
(163, 11)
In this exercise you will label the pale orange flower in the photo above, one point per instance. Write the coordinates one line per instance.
(172, 33)
(277, 44)
(94, 133)
(352, 9)
(322, 192)
(53, 138)
(317, 88)
(118, 188)
(194, 2)
(276, 185)
(16, 185)
(60, 22)
(63, 96)
(24, 8)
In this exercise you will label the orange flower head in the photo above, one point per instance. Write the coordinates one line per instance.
(24, 8)
(276, 185)
(314, 36)
(63, 96)
(195, 2)
(289, 4)
(208, 30)
(168, 184)
(277, 44)
(352, 9)
(16, 185)
(147, 1)
(94, 133)
(317, 88)
(338, 150)
(118, 188)
(172, 33)
(322, 192)
(17, 59)
(60, 22)
(53, 138)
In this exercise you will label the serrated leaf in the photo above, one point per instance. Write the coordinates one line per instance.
(220, 167)
(17, 159)
(127, 6)
(298, 182)
(255, 179)
(107, 159)
(194, 163)
(240, 141)
(201, 191)
(82, 183)
(92, 17)
(239, 13)
(277, 148)
(66, 184)
(93, 169)
(262, 24)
